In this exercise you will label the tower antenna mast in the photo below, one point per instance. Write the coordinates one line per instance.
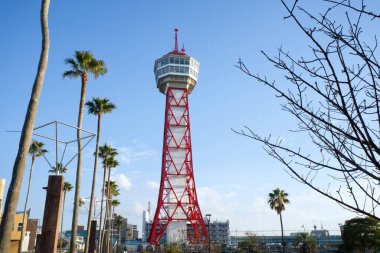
(176, 40)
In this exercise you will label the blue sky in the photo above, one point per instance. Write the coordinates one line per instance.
(233, 174)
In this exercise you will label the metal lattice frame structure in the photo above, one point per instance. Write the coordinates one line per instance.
(88, 136)
(177, 210)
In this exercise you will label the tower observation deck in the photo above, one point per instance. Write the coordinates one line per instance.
(178, 215)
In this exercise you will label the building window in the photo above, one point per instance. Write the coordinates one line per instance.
(19, 227)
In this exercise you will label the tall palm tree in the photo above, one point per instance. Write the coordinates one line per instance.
(111, 190)
(67, 187)
(82, 64)
(277, 200)
(119, 222)
(114, 203)
(96, 107)
(105, 153)
(13, 194)
(59, 169)
(36, 149)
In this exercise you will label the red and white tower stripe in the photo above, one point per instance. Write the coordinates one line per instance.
(178, 214)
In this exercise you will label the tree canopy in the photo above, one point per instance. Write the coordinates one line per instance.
(306, 243)
(361, 234)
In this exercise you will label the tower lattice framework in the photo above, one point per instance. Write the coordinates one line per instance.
(178, 215)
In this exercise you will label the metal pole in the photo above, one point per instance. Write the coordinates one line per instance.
(208, 216)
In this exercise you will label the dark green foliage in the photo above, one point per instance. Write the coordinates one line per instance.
(36, 149)
(306, 243)
(60, 168)
(114, 189)
(100, 106)
(67, 187)
(84, 62)
(249, 244)
(361, 234)
(172, 249)
(277, 200)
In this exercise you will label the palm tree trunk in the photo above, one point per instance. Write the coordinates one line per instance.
(74, 228)
(108, 209)
(93, 184)
(282, 233)
(101, 208)
(13, 194)
(63, 209)
(26, 204)
(112, 222)
(104, 231)
(119, 237)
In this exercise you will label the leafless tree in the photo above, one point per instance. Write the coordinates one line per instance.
(334, 95)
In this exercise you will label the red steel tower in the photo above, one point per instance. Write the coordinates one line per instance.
(178, 214)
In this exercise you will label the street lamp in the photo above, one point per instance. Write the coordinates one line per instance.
(208, 217)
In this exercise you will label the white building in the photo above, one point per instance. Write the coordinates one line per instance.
(145, 221)
(219, 231)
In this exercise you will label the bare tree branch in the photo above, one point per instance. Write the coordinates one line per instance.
(334, 97)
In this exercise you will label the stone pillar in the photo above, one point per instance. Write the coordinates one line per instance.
(52, 214)
(92, 237)
(32, 228)
(37, 247)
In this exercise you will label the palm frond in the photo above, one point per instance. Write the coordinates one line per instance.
(67, 187)
(277, 200)
(71, 74)
(107, 151)
(36, 148)
(73, 63)
(59, 168)
(97, 68)
(114, 189)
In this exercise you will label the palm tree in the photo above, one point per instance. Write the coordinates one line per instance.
(59, 169)
(306, 243)
(67, 187)
(112, 190)
(26, 136)
(119, 222)
(82, 64)
(96, 107)
(277, 200)
(105, 153)
(36, 149)
(114, 203)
